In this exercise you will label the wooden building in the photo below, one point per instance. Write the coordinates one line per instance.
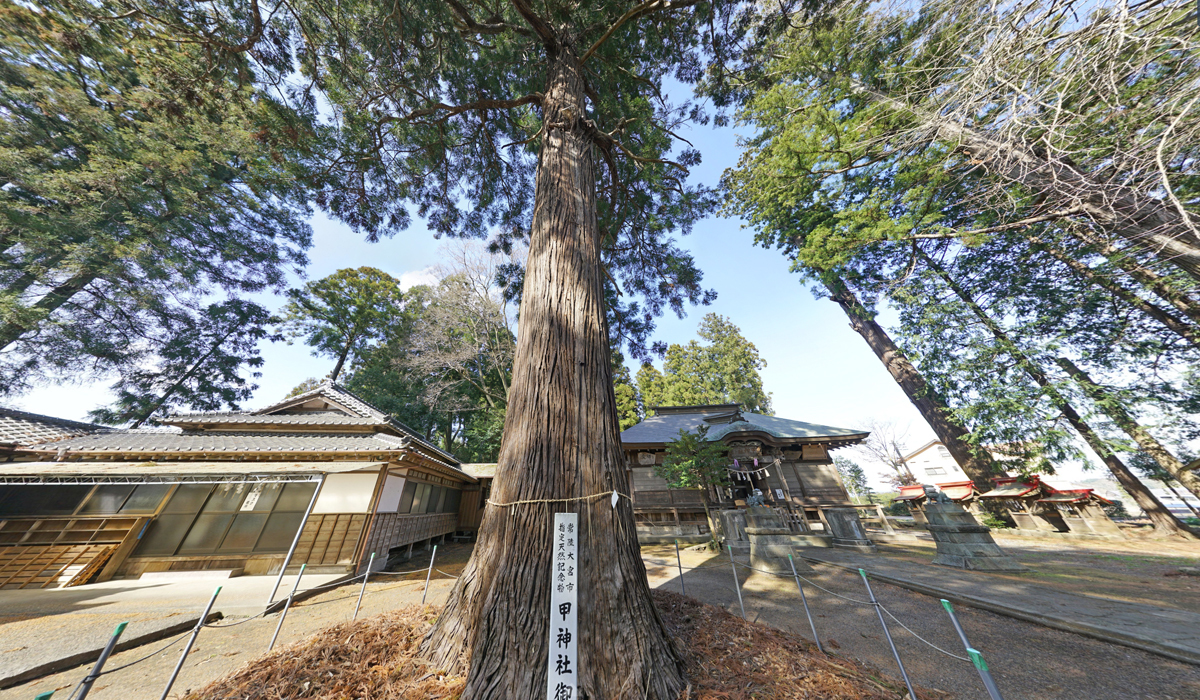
(322, 479)
(787, 460)
(1035, 506)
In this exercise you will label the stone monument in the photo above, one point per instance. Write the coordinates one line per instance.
(733, 529)
(963, 543)
(848, 531)
(770, 541)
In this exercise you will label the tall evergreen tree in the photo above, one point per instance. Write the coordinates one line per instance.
(724, 370)
(544, 122)
(136, 178)
(344, 314)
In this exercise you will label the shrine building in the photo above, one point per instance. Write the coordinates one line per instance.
(787, 460)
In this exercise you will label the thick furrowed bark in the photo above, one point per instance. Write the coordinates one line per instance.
(561, 441)
(979, 467)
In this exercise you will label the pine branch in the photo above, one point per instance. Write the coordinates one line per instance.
(470, 26)
(448, 111)
(644, 8)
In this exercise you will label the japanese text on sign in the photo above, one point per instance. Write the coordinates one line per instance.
(564, 600)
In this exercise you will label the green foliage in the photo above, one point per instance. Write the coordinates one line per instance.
(628, 412)
(449, 130)
(199, 366)
(854, 171)
(992, 520)
(692, 462)
(139, 178)
(342, 315)
(854, 478)
(445, 366)
(725, 370)
(304, 387)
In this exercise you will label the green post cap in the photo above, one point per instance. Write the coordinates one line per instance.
(863, 573)
(217, 592)
(44, 696)
(120, 628)
(977, 659)
(789, 555)
(946, 605)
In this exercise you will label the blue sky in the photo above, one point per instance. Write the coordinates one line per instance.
(818, 369)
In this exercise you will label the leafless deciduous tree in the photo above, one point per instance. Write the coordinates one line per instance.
(886, 444)
(463, 343)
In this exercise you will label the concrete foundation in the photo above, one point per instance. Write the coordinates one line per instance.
(963, 543)
(668, 534)
(770, 542)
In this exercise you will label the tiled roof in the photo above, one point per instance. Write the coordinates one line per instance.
(665, 427)
(31, 428)
(481, 470)
(194, 441)
(334, 392)
(340, 395)
(306, 418)
(94, 468)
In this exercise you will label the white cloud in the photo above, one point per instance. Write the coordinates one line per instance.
(412, 278)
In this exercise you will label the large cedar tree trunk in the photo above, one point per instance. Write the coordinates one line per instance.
(561, 440)
(977, 464)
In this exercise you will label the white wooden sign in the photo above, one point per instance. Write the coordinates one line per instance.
(561, 681)
(251, 499)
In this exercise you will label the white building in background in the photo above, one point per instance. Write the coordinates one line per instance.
(932, 463)
(1177, 501)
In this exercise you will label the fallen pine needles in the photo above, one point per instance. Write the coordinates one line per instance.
(727, 658)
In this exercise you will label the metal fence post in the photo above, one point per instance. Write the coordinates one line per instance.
(737, 585)
(428, 575)
(679, 562)
(908, 684)
(366, 576)
(283, 614)
(804, 599)
(188, 647)
(85, 686)
(976, 657)
(296, 540)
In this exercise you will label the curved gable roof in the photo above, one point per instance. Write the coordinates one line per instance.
(725, 423)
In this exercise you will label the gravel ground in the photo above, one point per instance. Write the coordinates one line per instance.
(1028, 661)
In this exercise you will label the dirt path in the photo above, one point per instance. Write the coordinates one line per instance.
(1137, 571)
(1030, 662)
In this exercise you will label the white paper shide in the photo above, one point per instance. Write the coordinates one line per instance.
(564, 599)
